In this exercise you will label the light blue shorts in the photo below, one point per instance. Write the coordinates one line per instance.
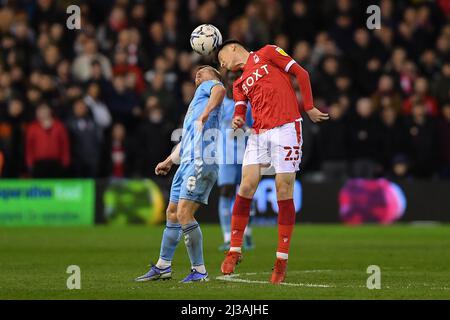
(193, 182)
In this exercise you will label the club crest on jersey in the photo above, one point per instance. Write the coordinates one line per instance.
(281, 51)
(255, 76)
(255, 58)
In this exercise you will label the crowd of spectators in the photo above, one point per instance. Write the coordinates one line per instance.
(103, 101)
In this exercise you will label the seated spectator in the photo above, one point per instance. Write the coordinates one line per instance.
(442, 85)
(333, 141)
(429, 64)
(443, 47)
(157, 88)
(187, 93)
(33, 98)
(444, 141)
(421, 142)
(106, 86)
(342, 31)
(18, 78)
(400, 168)
(117, 157)
(156, 41)
(407, 77)
(300, 24)
(82, 67)
(47, 149)
(123, 102)
(63, 76)
(115, 23)
(153, 137)
(184, 66)
(397, 59)
(302, 54)
(363, 138)
(48, 88)
(344, 87)
(421, 95)
(99, 110)
(51, 59)
(85, 141)
(138, 17)
(324, 83)
(12, 138)
(386, 92)
(392, 137)
(122, 67)
(161, 68)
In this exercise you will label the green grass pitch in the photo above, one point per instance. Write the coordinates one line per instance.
(326, 262)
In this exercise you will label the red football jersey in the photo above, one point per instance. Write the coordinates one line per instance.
(266, 83)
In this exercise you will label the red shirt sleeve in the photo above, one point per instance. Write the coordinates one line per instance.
(278, 57)
(282, 60)
(240, 103)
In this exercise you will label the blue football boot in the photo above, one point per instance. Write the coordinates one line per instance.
(195, 276)
(156, 273)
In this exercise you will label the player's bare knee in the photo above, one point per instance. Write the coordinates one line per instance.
(171, 216)
(285, 190)
(247, 190)
(184, 215)
(171, 213)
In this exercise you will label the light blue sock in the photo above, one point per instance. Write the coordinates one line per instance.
(225, 217)
(193, 239)
(171, 238)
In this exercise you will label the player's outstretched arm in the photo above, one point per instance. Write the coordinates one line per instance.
(289, 65)
(164, 167)
(305, 86)
(215, 100)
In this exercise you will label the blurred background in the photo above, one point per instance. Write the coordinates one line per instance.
(100, 104)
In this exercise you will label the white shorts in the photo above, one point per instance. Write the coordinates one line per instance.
(278, 150)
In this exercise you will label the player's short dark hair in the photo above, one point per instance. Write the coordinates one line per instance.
(226, 43)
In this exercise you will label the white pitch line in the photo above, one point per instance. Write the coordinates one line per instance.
(292, 271)
(234, 278)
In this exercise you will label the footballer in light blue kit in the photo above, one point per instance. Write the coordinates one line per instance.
(194, 179)
(231, 154)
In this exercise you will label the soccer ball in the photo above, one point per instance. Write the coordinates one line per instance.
(205, 39)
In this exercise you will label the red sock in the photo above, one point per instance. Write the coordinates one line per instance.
(286, 222)
(239, 220)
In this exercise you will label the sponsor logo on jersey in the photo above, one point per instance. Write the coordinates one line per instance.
(281, 51)
(255, 76)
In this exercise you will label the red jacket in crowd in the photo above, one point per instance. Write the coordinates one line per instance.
(47, 144)
(445, 6)
(124, 69)
(431, 105)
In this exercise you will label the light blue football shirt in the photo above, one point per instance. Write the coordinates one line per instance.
(196, 144)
